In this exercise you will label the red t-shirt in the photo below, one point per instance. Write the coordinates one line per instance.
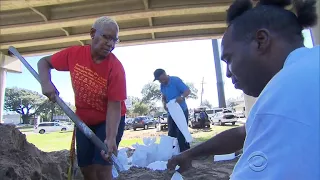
(123, 108)
(93, 84)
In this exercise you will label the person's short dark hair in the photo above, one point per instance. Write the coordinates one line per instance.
(157, 73)
(271, 15)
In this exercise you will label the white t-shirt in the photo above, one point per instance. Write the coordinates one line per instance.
(283, 127)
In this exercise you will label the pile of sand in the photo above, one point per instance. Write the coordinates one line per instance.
(20, 160)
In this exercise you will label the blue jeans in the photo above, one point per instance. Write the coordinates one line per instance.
(174, 131)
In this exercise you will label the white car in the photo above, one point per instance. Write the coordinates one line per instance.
(224, 117)
(211, 112)
(51, 127)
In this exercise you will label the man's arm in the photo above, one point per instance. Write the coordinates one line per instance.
(44, 69)
(224, 143)
(186, 93)
(117, 93)
(113, 118)
(183, 88)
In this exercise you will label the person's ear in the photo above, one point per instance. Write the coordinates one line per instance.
(262, 39)
(92, 32)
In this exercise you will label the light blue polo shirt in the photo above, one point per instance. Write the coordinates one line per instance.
(283, 127)
(175, 88)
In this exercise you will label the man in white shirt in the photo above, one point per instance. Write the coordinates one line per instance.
(265, 56)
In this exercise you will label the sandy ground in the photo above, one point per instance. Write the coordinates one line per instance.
(20, 160)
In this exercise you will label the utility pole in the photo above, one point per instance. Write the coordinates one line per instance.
(202, 83)
(220, 85)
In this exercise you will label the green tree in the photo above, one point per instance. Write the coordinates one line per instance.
(151, 93)
(25, 102)
(193, 90)
(207, 104)
(53, 109)
(140, 108)
(232, 102)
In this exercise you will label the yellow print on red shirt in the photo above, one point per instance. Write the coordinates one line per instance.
(90, 89)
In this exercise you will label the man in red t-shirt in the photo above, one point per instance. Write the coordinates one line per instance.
(99, 84)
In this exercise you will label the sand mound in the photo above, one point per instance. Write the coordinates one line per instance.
(22, 160)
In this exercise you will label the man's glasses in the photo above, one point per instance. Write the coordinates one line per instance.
(109, 38)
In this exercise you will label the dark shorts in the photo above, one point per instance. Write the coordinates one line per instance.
(121, 127)
(87, 152)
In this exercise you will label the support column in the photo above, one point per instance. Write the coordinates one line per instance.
(315, 31)
(3, 73)
(220, 85)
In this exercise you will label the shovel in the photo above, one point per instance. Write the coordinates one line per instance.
(82, 127)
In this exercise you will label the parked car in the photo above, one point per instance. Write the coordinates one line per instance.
(212, 112)
(162, 122)
(223, 117)
(52, 127)
(143, 122)
(128, 123)
(199, 119)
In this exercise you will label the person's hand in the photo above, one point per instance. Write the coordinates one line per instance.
(182, 160)
(112, 149)
(179, 99)
(49, 90)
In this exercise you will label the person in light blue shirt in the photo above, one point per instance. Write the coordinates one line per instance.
(265, 56)
(173, 88)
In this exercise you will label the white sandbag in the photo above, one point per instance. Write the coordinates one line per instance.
(158, 165)
(152, 153)
(177, 176)
(224, 157)
(149, 141)
(123, 156)
(115, 173)
(179, 118)
(145, 154)
(152, 148)
(139, 157)
(165, 148)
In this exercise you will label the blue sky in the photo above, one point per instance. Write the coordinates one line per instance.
(190, 60)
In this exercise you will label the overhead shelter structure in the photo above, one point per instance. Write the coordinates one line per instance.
(43, 27)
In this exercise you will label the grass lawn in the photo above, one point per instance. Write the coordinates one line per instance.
(62, 140)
